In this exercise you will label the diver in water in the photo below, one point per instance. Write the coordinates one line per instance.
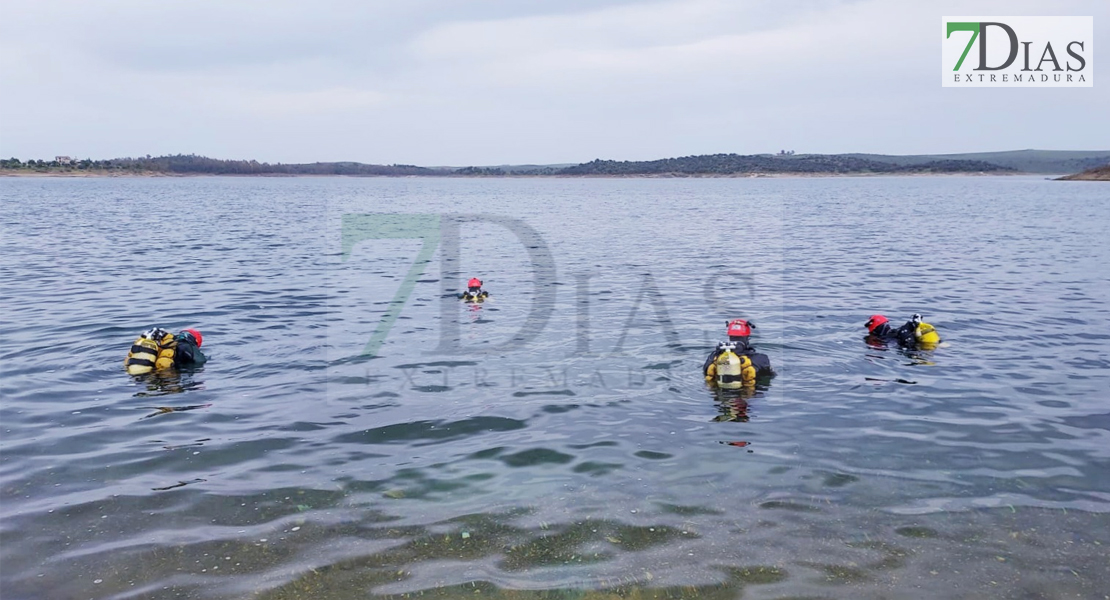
(914, 334)
(739, 331)
(158, 349)
(474, 291)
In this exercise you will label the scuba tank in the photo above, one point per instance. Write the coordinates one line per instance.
(142, 357)
(167, 353)
(925, 334)
(730, 370)
(474, 296)
(153, 350)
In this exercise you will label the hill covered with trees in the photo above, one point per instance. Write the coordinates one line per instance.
(191, 164)
(686, 166)
(737, 164)
(1026, 161)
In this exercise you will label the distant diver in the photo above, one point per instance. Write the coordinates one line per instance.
(474, 291)
(735, 364)
(157, 349)
(915, 334)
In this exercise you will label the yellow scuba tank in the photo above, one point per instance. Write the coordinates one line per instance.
(168, 349)
(926, 335)
(732, 370)
(154, 350)
(142, 357)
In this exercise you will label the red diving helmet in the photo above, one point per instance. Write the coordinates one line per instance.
(874, 322)
(739, 328)
(196, 336)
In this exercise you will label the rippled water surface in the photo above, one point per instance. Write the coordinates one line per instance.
(359, 433)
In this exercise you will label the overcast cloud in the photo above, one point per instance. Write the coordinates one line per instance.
(445, 82)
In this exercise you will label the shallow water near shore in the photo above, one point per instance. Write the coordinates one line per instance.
(359, 433)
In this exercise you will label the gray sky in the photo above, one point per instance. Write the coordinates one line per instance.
(448, 82)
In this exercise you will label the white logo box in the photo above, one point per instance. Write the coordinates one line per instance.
(1019, 51)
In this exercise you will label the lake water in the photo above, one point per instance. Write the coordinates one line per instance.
(359, 433)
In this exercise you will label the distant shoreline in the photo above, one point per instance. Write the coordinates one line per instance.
(154, 174)
(786, 163)
(1095, 174)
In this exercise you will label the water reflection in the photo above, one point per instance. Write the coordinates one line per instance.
(922, 355)
(178, 484)
(196, 444)
(921, 349)
(732, 405)
(162, 410)
(168, 381)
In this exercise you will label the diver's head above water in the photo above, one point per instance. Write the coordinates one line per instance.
(739, 330)
(474, 285)
(197, 337)
(874, 322)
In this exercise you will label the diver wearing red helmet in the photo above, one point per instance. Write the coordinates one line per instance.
(739, 330)
(474, 291)
(881, 332)
(157, 349)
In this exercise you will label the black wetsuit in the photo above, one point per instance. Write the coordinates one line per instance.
(474, 293)
(903, 336)
(187, 354)
(761, 362)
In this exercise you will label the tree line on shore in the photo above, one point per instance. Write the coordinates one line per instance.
(191, 164)
(708, 165)
(731, 164)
